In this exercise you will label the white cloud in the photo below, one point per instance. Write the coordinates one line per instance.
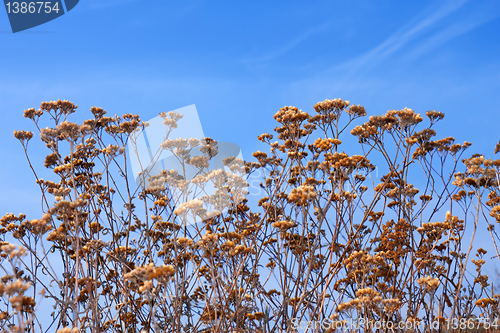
(421, 24)
(470, 22)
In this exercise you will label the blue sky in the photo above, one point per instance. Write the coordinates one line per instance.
(240, 61)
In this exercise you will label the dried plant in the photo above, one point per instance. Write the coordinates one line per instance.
(327, 242)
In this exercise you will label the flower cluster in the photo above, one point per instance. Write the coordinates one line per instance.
(429, 283)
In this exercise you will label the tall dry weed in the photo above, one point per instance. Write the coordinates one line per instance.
(328, 242)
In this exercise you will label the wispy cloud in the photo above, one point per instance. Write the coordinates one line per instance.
(414, 29)
(425, 33)
(284, 49)
(470, 22)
